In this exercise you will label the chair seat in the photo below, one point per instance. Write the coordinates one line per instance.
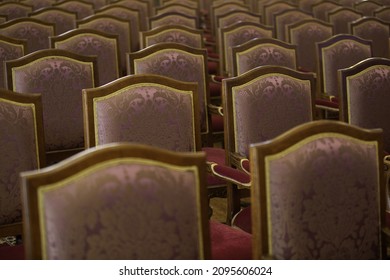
(330, 103)
(243, 220)
(228, 243)
(217, 122)
(12, 252)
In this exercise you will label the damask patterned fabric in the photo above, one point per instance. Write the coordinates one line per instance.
(36, 34)
(157, 21)
(176, 36)
(181, 66)
(131, 210)
(8, 51)
(18, 153)
(305, 37)
(14, 10)
(341, 19)
(265, 54)
(63, 19)
(268, 106)
(60, 81)
(239, 36)
(148, 114)
(105, 49)
(342, 54)
(285, 18)
(368, 96)
(316, 211)
(81, 9)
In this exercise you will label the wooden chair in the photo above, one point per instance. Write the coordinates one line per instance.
(38, 4)
(272, 8)
(341, 17)
(81, 8)
(321, 8)
(64, 20)
(367, 7)
(318, 193)
(173, 18)
(144, 8)
(14, 10)
(59, 76)
(285, 17)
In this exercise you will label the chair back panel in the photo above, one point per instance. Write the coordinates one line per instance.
(264, 103)
(138, 202)
(64, 20)
(173, 18)
(365, 95)
(81, 8)
(178, 62)
(15, 10)
(143, 111)
(285, 17)
(59, 76)
(21, 149)
(321, 196)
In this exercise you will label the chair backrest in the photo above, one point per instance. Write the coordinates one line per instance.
(10, 49)
(38, 4)
(364, 91)
(262, 52)
(376, 30)
(147, 109)
(235, 16)
(177, 7)
(224, 8)
(321, 8)
(134, 200)
(274, 7)
(97, 4)
(142, 6)
(382, 13)
(173, 33)
(59, 76)
(35, 31)
(237, 34)
(21, 149)
(125, 13)
(93, 42)
(285, 17)
(337, 52)
(15, 10)
(305, 34)
(264, 103)
(307, 5)
(367, 7)
(341, 17)
(111, 25)
(178, 62)
(81, 8)
(318, 193)
(64, 20)
(173, 18)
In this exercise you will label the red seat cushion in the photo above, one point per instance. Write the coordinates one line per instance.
(217, 122)
(243, 220)
(228, 243)
(215, 89)
(12, 252)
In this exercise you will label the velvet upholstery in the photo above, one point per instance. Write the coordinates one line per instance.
(382, 13)
(321, 8)
(173, 18)
(364, 92)
(317, 193)
(305, 34)
(93, 42)
(9, 49)
(138, 202)
(15, 10)
(222, 8)
(59, 76)
(238, 34)
(21, 149)
(176, 7)
(272, 8)
(285, 17)
(81, 8)
(35, 31)
(232, 17)
(262, 52)
(143, 7)
(341, 18)
(147, 109)
(367, 8)
(38, 4)
(376, 30)
(64, 20)
(111, 25)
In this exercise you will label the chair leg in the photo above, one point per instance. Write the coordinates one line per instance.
(233, 202)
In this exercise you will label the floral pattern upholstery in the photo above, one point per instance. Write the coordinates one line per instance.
(342, 54)
(376, 31)
(8, 51)
(105, 49)
(341, 18)
(63, 19)
(142, 6)
(304, 36)
(270, 9)
(367, 99)
(236, 16)
(182, 66)
(14, 10)
(268, 106)
(35, 33)
(176, 36)
(172, 19)
(147, 113)
(315, 210)
(82, 9)
(287, 17)
(264, 54)
(60, 80)
(18, 149)
(132, 209)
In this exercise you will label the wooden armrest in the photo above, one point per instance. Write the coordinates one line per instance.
(237, 161)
